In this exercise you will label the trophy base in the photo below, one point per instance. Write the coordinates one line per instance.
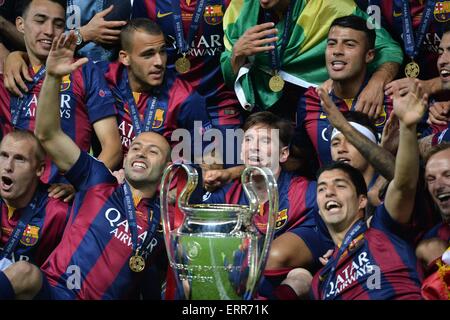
(212, 267)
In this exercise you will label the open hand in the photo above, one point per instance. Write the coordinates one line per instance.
(409, 107)
(60, 61)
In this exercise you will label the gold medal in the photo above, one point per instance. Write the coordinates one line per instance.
(182, 65)
(412, 70)
(136, 263)
(276, 83)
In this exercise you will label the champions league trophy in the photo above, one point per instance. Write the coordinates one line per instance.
(217, 252)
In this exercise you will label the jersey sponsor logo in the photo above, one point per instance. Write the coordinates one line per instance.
(213, 14)
(159, 119)
(202, 45)
(282, 218)
(160, 15)
(65, 84)
(120, 229)
(442, 11)
(361, 267)
(30, 236)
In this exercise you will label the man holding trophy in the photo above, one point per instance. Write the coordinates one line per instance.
(112, 237)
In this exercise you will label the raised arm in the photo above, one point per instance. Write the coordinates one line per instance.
(63, 151)
(409, 109)
(382, 160)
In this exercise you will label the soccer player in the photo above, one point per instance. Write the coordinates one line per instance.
(149, 96)
(420, 32)
(196, 41)
(371, 260)
(294, 248)
(112, 238)
(31, 222)
(349, 50)
(437, 177)
(262, 147)
(252, 65)
(86, 103)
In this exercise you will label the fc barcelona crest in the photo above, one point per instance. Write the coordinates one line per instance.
(65, 84)
(213, 14)
(282, 218)
(159, 119)
(30, 236)
(442, 11)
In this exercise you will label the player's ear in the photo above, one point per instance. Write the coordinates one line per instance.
(124, 58)
(20, 24)
(370, 55)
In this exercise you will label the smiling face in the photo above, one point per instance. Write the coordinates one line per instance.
(344, 151)
(339, 204)
(347, 54)
(261, 148)
(146, 159)
(20, 170)
(43, 21)
(443, 62)
(146, 60)
(437, 175)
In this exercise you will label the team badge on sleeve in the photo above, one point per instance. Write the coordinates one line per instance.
(213, 14)
(30, 236)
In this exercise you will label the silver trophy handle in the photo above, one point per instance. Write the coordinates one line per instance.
(272, 191)
(191, 184)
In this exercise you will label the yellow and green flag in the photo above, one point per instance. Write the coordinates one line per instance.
(303, 61)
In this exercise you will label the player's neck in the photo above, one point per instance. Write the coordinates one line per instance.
(35, 61)
(338, 233)
(136, 85)
(23, 201)
(146, 190)
(349, 88)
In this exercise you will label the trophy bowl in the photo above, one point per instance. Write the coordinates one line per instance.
(217, 253)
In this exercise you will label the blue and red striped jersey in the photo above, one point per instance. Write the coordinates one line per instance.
(85, 99)
(97, 242)
(204, 52)
(44, 231)
(441, 231)
(428, 53)
(296, 202)
(378, 264)
(312, 122)
(177, 105)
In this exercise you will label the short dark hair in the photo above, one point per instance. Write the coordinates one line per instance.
(24, 5)
(356, 23)
(27, 135)
(434, 150)
(143, 24)
(362, 119)
(355, 175)
(271, 120)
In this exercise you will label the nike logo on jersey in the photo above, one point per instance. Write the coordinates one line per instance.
(162, 15)
(397, 14)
